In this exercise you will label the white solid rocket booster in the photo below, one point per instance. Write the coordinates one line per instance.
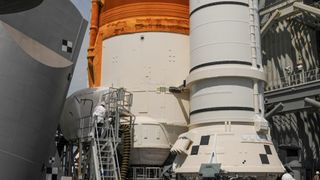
(227, 124)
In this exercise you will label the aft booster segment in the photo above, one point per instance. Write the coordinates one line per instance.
(227, 133)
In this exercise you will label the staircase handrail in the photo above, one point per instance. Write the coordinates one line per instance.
(96, 140)
(115, 152)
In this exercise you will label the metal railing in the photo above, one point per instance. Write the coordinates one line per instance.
(106, 135)
(299, 78)
(99, 149)
(145, 173)
(115, 145)
(118, 100)
(86, 127)
(118, 104)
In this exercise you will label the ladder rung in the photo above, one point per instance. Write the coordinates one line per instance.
(102, 140)
(106, 163)
(104, 151)
(108, 170)
(104, 146)
(111, 172)
(105, 157)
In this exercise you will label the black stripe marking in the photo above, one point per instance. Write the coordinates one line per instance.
(69, 49)
(49, 170)
(219, 63)
(204, 140)
(194, 150)
(222, 109)
(64, 42)
(268, 149)
(219, 3)
(264, 159)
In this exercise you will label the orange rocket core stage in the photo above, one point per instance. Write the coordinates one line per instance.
(115, 17)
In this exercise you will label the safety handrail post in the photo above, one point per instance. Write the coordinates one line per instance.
(298, 78)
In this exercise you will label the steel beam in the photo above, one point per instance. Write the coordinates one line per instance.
(312, 102)
(270, 22)
(293, 98)
(284, 10)
(306, 8)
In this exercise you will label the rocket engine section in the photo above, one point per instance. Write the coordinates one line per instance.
(144, 49)
(227, 128)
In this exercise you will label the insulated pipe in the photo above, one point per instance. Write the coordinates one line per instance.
(94, 29)
(126, 139)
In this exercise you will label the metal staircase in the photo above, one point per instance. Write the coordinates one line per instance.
(117, 104)
(108, 166)
(98, 143)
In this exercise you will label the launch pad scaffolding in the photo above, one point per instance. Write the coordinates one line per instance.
(145, 173)
(94, 156)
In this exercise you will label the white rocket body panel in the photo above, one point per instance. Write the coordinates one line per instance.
(219, 94)
(219, 38)
(147, 64)
(157, 60)
(226, 113)
(147, 68)
(152, 141)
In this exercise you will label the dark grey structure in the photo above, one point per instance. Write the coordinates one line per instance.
(268, 3)
(38, 51)
(13, 6)
(291, 58)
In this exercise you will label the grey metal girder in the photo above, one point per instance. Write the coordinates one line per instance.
(293, 97)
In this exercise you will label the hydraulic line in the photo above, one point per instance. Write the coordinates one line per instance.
(126, 140)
